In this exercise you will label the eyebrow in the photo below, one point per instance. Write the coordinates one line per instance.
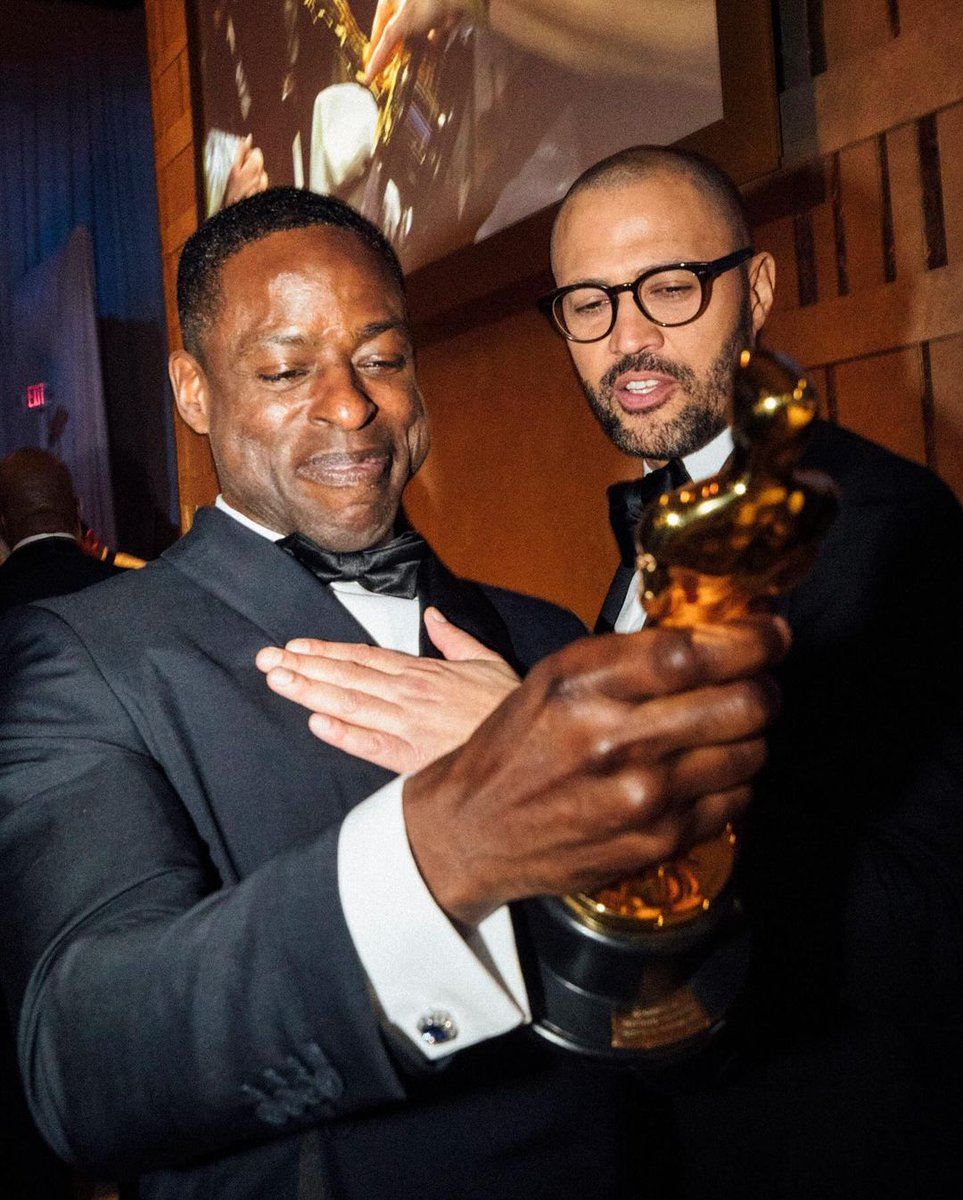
(364, 334)
(281, 339)
(659, 266)
(376, 327)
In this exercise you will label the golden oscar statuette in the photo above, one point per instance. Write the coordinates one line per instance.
(646, 968)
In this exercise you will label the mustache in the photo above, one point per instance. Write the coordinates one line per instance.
(646, 362)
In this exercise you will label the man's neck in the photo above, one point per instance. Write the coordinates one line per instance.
(271, 534)
(707, 460)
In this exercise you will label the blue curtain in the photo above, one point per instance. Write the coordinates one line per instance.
(54, 320)
(76, 149)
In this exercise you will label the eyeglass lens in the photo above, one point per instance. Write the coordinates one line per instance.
(672, 297)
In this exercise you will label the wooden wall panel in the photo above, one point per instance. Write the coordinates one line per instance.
(909, 235)
(824, 248)
(167, 29)
(178, 205)
(946, 367)
(949, 125)
(919, 71)
(850, 30)
(172, 93)
(778, 237)
(880, 398)
(897, 314)
(861, 204)
(927, 17)
(818, 378)
(889, 342)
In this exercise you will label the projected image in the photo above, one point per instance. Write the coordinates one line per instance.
(444, 120)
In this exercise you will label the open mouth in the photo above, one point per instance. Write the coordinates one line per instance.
(641, 393)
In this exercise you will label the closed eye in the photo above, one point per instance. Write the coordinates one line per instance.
(670, 291)
(282, 376)
(591, 306)
(383, 364)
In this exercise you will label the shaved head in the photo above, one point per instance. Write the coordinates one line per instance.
(629, 166)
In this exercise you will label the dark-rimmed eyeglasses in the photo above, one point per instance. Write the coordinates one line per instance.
(671, 295)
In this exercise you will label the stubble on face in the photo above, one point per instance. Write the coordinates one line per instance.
(704, 415)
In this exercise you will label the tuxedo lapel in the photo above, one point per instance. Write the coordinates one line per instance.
(465, 605)
(262, 591)
(259, 581)
(615, 599)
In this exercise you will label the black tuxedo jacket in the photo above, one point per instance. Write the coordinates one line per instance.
(52, 566)
(191, 1007)
(845, 1077)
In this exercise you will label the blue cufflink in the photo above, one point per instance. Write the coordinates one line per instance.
(437, 1026)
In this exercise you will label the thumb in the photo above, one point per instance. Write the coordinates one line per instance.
(454, 643)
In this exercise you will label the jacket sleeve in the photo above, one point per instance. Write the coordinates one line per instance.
(159, 1014)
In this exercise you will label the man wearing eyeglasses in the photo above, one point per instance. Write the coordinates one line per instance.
(844, 1077)
(845, 1074)
(660, 290)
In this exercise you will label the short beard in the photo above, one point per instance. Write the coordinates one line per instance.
(706, 412)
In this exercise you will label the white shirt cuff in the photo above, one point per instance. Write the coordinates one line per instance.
(441, 991)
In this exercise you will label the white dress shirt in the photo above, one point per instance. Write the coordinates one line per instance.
(700, 465)
(421, 969)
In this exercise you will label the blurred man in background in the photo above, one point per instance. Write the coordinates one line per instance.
(40, 522)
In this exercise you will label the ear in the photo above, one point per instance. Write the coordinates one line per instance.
(762, 285)
(190, 390)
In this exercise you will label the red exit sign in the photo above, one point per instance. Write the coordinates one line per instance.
(36, 395)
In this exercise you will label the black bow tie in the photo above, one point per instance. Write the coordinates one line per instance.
(627, 500)
(391, 570)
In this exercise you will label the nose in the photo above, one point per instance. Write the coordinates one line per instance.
(339, 398)
(633, 331)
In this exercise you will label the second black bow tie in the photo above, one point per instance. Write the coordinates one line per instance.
(627, 500)
(391, 570)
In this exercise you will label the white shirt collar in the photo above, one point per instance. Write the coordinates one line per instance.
(39, 537)
(271, 534)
